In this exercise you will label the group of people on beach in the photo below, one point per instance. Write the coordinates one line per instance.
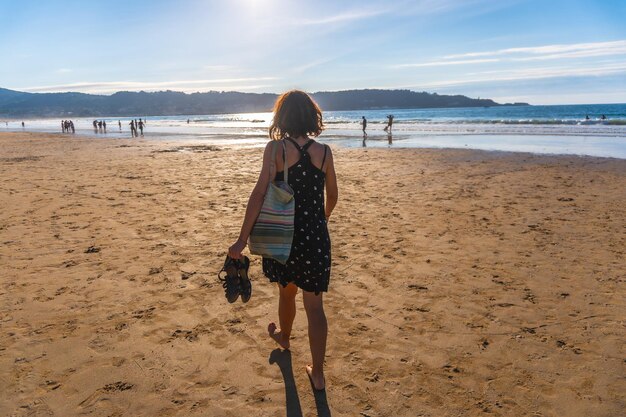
(67, 126)
(134, 125)
(100, 126)
(386, 129)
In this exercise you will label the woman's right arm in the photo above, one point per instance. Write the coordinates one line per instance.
(255, 202)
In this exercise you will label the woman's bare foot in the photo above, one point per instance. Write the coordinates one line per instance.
(278, 336)
(318, 381)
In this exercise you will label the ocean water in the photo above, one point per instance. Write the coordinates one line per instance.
(540, 129)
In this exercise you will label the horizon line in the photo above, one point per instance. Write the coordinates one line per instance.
(413, 90)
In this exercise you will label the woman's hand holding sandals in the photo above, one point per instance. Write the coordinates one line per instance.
(235, 250)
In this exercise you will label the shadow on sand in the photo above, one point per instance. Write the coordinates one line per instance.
(283, 359)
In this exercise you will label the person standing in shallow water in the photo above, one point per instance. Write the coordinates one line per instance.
(389, 123)
(311, 171)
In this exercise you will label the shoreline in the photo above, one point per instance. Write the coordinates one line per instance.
(379, 141)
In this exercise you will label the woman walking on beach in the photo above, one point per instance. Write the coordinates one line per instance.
(311, 170)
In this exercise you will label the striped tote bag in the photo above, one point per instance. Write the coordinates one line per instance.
(272, 233)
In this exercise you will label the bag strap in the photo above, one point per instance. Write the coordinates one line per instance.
(273, 162)
(285, 166)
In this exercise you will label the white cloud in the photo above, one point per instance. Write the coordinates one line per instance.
(219, 68)
(534, 74)
(443, 63)
(577, 50)
(405, 8)
(519, 75)
(527, 54)
(225, 84)
(348, 16)
(305, 67)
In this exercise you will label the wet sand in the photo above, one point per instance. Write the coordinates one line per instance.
(465, 283)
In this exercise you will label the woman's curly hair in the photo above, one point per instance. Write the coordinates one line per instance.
(296, 114)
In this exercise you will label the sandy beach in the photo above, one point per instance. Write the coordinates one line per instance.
(464, 283)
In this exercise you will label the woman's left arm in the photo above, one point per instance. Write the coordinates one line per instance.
(332, 193)
(255, 202)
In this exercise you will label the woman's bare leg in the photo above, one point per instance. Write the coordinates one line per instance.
(318, 331)
(286, 315)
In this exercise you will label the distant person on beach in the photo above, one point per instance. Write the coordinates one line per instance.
(63, 126)
(389, 123)
(95, 126)
(364, 124)
(603, 117)
(119, 123)
(140, 124)
(100, 126)
(587, 117)
(104, 125)
(296, 117)
(23, 125)
(72, 127)
(133, 129)
(187, 121)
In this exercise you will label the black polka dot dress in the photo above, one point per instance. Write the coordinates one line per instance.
(308, 266)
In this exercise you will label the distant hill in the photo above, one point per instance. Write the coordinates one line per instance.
(162, 103)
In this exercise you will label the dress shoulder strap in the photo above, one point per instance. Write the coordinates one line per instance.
(324, 159)
(298, 147)
(307, 145)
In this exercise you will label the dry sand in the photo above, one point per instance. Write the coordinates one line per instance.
(464, 283)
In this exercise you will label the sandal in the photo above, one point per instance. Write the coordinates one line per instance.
(231, 282)
(244, 281)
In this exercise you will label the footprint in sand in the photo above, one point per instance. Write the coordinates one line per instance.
(184, 275)
(92, 249)
(147, 313)
(529, 296)
(61, 290)
(232, 326)
(451, 370)
(155, 270)
(358, 330)
(121, 326)
(97, 395)
(417, 287)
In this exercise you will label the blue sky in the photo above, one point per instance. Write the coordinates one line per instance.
(542, 52)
